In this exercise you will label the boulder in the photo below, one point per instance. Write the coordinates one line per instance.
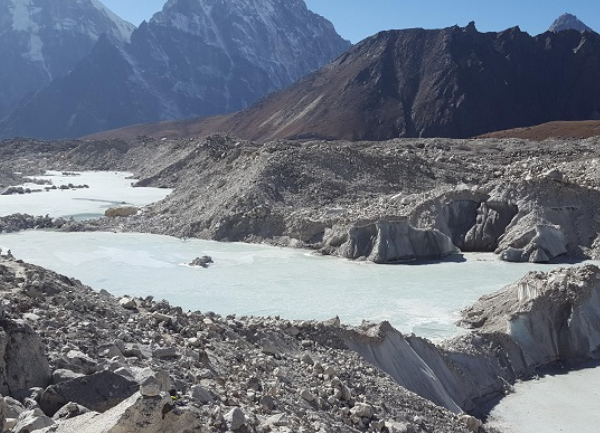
(32, 420)
(203, 262)
(98, 392)
(136, 414)
(23, 361)
(235, 419)
(63, 375)
(121, 211)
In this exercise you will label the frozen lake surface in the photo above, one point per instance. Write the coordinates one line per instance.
(556, 403)
(106, 189)
(263, 280)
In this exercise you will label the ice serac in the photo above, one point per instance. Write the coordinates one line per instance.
(194, 58)
(533, 323)
(388, 242)
(42, 40)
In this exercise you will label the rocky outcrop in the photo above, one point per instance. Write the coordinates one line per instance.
(390, 242)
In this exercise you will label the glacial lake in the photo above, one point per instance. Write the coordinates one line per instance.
(261, 280)
(105, 190)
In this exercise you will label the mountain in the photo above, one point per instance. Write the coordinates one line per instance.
(453, 82)
(568, 22)
(41, 40)
(194, 58)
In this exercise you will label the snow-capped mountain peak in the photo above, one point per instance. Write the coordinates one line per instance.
(569, 22)
(41, 40)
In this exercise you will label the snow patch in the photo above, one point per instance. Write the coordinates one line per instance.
(35, 49)
(23, 12)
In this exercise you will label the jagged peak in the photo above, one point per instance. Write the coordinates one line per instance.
(569, 21)
(32, 16)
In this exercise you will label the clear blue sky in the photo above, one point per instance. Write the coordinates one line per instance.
(357, 19)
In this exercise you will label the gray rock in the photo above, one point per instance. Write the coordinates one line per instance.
(32, 420)
(150, 387)
(70, 410)
(98, 392)
(202, 262)
(235, 419)
(23, 361)
(306, 395)
(165, 352)
(62, 375)
(202, 395)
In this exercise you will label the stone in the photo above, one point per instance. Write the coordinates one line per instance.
(150, 387)
(70, 410)
(396, 427)
(472, 423)
(307, 395)
(80, 362)
(121, 211)
(23, 361)
(202, 395)
(362, 410)
(235, 419)
(127, 303)
(306, 359)
(32, 420)
(63, 375)
(202, 262)
(165, 353)
(98, 392)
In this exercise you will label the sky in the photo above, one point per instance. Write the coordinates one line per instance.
(358, 19)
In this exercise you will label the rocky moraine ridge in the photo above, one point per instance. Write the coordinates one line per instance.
(385, 202)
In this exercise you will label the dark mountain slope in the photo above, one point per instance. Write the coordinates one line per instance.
(195, 58)
(42, 40)
(454, 82)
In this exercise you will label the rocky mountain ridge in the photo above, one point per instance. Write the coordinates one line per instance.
(454, 82)
(41, 41)
(194, 58)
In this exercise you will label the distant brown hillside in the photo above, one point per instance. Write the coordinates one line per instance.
(454, 82)
(575, 129)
